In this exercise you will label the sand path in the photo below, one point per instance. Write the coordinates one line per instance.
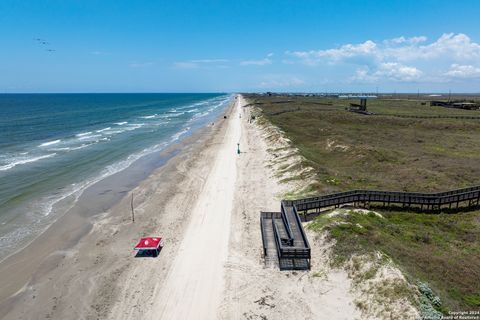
(194, 284)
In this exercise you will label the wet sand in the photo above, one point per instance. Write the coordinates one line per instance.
(72, 248)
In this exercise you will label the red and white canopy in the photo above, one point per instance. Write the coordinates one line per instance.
(149, 243)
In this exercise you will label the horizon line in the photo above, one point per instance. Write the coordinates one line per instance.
(256, 92)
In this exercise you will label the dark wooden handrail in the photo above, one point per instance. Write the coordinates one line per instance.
(406, 198)
(333, 195)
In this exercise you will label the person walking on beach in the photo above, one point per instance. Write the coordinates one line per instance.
(238, 148)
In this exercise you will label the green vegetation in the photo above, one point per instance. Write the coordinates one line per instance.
(353, 151)
(430, 304)
(350, 151)
(440, 249)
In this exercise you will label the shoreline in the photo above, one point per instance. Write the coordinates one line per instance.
(38, 258)
(35, 214)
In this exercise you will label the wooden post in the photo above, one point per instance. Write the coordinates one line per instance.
(133, 211)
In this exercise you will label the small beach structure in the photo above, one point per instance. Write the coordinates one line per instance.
(359, 108)
(151, 245)
(284, 241)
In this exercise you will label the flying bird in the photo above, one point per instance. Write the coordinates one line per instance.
(44, 42)
(41, 41)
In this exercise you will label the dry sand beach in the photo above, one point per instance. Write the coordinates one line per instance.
(205, 202)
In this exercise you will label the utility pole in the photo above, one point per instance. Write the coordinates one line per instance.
(133, 211)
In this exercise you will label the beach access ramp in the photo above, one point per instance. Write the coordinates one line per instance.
(284, 240)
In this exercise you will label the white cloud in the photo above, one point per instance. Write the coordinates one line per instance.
(209, 61)
(141, 64)
(458, 47)
(363, 74)
(366, 49)
(281, 81)
(402, 40)
(261, 62)
(455, 47)
(463, 71)
(185, 65)
(199, 63)
(401, 58)
(397, 71)
(391, 71)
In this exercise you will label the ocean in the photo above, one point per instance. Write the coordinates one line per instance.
(54, 146)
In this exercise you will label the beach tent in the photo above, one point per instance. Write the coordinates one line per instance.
(153, 244)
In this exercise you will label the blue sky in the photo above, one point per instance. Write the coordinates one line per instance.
(213, 46)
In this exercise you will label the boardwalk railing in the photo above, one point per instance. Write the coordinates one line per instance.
(286, 221)
(428, 201)
(304, 236)
(266, 222)
(282, 232)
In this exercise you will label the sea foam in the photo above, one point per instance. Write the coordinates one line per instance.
(83, 134)
(49, 143)
(17, 162)
(177, 135)
(93, 136)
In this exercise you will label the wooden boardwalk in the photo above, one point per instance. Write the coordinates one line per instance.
(285, 242)
(268, 238)
(454, 199)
